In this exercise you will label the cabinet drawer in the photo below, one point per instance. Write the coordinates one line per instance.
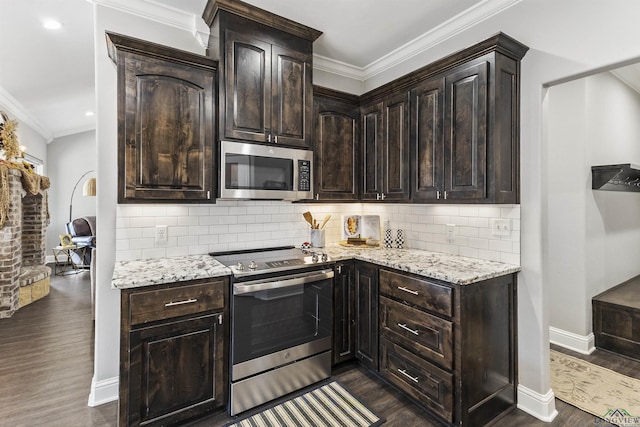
(428, 295)
(426, 383)
(429, 336)
(178, 300)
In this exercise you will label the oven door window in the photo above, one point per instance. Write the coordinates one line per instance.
(276, 319)
(245, 172)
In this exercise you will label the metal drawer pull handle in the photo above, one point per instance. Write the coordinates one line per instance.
(187, 301)
(403, 372)
(402, 288)
(404, 326)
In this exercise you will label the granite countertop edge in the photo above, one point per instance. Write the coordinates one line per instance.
(453, 269)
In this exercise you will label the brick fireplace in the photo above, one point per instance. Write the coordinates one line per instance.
(24, 277)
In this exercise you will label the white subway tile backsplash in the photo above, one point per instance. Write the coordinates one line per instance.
(188, 220)
(154, 210)
(198, 211)
(489, 212)
(232, 225)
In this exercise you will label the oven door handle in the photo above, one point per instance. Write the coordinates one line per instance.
(293, 280)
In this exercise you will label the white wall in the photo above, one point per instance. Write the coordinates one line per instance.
(592, 234)
(68, 158)
(106, 363)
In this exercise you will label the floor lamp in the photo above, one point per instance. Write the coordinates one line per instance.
(88, 189)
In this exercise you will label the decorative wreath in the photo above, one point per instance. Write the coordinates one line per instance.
(8, 138)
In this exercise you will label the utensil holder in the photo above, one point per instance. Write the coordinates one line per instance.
(316, 238)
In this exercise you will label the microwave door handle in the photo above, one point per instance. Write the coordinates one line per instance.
(262, 285)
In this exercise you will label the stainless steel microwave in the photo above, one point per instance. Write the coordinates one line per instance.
(254, 171)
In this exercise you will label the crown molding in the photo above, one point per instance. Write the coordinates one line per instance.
(73, 131)
(628, 76)
(163, 14)
(422, 43)
(14, 108)
(322, 63)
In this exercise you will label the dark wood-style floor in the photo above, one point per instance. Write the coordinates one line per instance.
(46, 366)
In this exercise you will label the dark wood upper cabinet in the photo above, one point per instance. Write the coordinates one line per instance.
(166, 116)
(371, 117)
(336, 145)
(427, 139)
(463, 127)
(465, 133)
(266, 66)
(395, 148)
(385, 149)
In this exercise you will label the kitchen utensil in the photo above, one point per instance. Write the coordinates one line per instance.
(324, 221)
(308, 217)
(315, 224)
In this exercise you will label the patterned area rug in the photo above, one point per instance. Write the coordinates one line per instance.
(329, 405)
(596, 390)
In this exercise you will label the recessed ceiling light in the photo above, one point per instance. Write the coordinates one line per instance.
(51, 24)
(89, 113)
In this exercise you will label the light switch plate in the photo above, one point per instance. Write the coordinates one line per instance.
(500, 227)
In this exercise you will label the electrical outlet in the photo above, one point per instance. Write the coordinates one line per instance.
(500, 227)
(161, 234)
(451, 231)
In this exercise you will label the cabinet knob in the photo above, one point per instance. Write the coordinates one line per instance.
(382, 196)
(269, 137)
(438, 194)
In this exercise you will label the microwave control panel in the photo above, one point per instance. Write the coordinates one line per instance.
(304, 175)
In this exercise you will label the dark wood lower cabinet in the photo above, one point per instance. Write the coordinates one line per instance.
(174, 366)
(173, 363)
(450, 347)
(367, 314)
(344, 313)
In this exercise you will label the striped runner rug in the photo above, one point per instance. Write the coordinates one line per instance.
(327, 406)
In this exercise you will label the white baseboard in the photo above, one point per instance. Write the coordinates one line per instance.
(579, 343)
(541, 406)
(103, 391)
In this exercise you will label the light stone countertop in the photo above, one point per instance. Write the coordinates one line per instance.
(435, 265)
(155, 271)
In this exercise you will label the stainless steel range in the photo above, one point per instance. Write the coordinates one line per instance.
(281, 322)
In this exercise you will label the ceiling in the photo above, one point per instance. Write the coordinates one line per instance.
(47, 77)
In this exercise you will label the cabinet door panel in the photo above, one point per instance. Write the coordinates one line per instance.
(292, 96)
(395, 151)
(426, 139)
(166, 148)
(248, 87)
(335, 151)
(466, 133)
(178, 369)
(367, 315)
(344, 314)
(163, 130)
(372, 136)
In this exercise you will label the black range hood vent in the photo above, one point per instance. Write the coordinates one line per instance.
(625, 177)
